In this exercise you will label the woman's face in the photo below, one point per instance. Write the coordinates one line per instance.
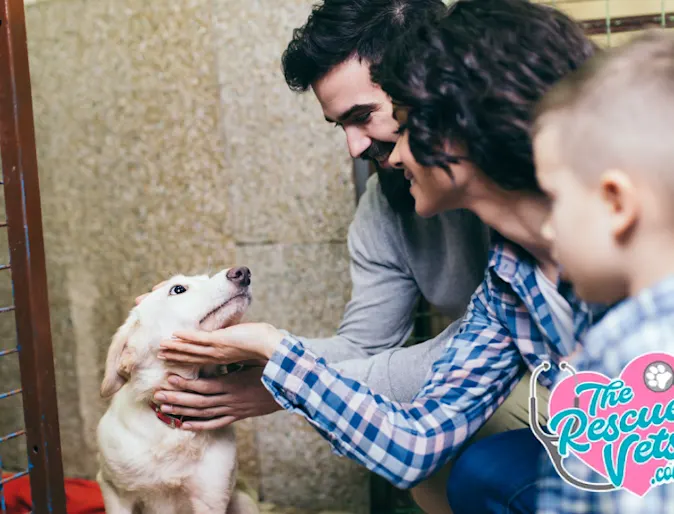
(434, 189)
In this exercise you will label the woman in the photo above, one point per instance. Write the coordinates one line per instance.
(464, 86)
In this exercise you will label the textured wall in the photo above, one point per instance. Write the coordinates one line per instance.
(168, 142)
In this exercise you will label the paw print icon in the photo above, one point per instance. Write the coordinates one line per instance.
(659, 377)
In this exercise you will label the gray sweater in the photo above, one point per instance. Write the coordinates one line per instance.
(395, 259)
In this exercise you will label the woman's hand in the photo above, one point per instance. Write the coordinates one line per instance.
(247, 341)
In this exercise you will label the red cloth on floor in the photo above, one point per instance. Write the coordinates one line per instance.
(82, 496)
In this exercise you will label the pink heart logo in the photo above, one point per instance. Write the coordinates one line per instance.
(621, 413)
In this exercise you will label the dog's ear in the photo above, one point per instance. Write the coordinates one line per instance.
(121, 359)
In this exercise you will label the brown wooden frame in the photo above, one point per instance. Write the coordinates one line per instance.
(627, 23)
(27, 261)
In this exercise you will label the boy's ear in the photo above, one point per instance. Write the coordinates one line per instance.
(121, 359)
(622, 201)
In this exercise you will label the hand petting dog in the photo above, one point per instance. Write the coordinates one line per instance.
(238, 343)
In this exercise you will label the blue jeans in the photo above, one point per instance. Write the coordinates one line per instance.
(496, 475)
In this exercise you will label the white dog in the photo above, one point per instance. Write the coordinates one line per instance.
(147, 463)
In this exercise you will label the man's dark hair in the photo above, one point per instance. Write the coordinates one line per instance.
(339, 29)
(474, 77)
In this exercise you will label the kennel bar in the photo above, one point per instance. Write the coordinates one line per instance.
(28, 270)
(628, 23)
(7, 438)
(7, 352)
(8, 394)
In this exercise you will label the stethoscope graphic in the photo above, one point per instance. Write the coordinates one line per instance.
(548, 440)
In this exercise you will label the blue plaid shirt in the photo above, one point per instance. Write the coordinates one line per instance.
(507, 328)
(636, 326)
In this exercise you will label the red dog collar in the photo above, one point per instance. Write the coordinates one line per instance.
(167, 419)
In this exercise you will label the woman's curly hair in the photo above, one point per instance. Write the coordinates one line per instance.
(474, 75)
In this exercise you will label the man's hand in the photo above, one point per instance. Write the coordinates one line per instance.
(225, 399)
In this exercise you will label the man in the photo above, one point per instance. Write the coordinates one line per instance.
(396, 256)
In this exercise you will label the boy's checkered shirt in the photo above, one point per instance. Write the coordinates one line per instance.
(636, 326)
(507, 328)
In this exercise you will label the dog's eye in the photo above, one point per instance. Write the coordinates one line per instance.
(178, 289)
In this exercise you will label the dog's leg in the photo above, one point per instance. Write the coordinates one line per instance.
(209, 497)
(241, 503)
(203, 504)
(114, 504)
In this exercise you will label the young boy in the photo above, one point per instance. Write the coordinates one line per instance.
(604, 151)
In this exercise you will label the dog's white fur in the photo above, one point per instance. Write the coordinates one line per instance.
(145, 465)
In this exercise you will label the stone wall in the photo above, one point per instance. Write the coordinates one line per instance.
(168, 142)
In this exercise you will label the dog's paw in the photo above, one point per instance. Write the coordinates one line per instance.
(659, 377)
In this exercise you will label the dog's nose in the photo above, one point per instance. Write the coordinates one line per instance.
(240, 276)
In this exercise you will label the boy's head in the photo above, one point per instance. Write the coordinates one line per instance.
(332, 53)
(604, 152)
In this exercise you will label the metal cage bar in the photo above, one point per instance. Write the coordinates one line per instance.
(610, 25)
(27, 258)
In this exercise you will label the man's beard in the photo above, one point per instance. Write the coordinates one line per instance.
(394, 185)
(378, 151)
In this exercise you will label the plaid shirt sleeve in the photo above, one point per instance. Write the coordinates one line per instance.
(404, 442)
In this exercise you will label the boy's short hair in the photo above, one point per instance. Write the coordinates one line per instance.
(617, 110)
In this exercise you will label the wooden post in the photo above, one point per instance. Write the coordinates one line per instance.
(27, 261)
